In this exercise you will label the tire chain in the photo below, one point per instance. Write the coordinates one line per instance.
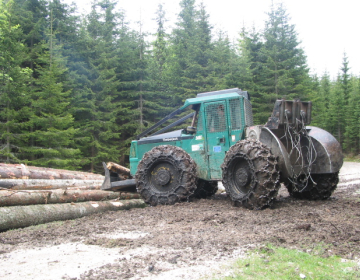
(270, 185)
(170, 154)
(325, 186)
(295, 134)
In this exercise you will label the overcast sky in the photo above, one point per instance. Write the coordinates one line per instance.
(326, 28)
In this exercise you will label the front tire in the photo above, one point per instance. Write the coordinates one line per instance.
(166, 175)
(250, 174)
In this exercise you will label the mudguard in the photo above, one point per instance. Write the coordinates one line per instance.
(328, 154)
(267, 137)
(329, 158)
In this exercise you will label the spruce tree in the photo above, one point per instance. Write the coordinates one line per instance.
(31, 15)
(134, 101)
(250, 46)
(284, 73)
(352, 128)
(222, 63)
(345, 79)
(323, 101)
(155, 71)
(336, 116)
(51, 130)
(96, 90)
(14, 80)
(188, 62)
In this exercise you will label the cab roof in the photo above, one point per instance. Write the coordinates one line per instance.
(215, 96)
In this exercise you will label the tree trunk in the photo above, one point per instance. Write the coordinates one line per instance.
(13, 198)
(23, 216)
(21, 171)
(119, 169)
(47, 184)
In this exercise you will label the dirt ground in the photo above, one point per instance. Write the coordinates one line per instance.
(185, 241)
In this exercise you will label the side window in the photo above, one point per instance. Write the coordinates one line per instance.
(215, 117)
(200, 125)
(248, 113)
(235, 114)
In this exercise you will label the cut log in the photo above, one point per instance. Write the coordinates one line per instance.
(48, 184)
(21, 171)
(14, 198)
(23, 216)
(119, 169)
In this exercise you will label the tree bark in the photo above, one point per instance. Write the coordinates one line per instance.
(119, 169)
(48, 184)
(21, 171)
(23, 216)
(13, 198)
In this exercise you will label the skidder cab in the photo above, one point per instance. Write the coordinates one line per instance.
(223, 144)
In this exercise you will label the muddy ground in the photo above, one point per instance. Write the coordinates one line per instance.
(184, 241)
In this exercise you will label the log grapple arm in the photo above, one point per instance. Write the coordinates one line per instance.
(117, 178)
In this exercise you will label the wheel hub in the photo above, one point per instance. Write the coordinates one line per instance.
(162, 177)
(242, 177)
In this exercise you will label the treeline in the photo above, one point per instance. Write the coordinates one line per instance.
(75, 90)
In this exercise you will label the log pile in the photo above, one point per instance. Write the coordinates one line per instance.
(23, 216)
(21, 171)
(33, 195)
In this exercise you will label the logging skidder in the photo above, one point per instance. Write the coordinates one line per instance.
(223, 144)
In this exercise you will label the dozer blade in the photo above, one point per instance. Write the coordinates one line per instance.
(113, 182)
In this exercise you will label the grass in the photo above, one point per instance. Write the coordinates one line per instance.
(279, 263)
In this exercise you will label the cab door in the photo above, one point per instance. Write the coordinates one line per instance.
(217, 134)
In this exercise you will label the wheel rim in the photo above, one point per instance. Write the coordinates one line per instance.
(241, 175)
(162, 176)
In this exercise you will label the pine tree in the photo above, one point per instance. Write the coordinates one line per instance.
(31, 16)
(156, 67)
(318, 106)
(336, 116)
(345, 79)
(324, 101)
(134, 100)
(51, 124)
(284, 73)
(189, 54)
(160, 50)
(352, 129)
(251, 45)
(13, 86)
(222, 63)
(95, 108)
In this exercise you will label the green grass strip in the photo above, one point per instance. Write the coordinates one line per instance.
(280, 263)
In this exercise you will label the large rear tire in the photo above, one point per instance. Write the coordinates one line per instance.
(166, 175)
(318, 187)
(250, 174)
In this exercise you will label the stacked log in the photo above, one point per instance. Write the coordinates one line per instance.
(49, 184)
(23, 216)
(123, 172)
(21, 171)
(31, 195)
(13, 198)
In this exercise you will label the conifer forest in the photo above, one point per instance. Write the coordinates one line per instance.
(76, 89)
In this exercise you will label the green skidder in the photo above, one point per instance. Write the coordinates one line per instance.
(221, 143)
